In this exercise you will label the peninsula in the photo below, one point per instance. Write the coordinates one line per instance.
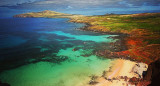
(47, 14)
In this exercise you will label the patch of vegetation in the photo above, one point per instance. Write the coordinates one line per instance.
(123, 23)
(153, 41)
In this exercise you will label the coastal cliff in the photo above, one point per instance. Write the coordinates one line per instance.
(153, 73)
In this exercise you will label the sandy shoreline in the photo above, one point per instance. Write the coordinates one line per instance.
(120, 72)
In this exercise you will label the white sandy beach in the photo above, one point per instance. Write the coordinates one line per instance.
(121, 68)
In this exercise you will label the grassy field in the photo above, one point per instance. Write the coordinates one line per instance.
(143, 42)
(122, 23)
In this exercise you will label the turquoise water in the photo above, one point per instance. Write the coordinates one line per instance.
(101, 38)
(76, 71)
(50, 52)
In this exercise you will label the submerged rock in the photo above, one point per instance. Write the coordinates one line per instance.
(74, 49)
(4, 84)
(93, 80)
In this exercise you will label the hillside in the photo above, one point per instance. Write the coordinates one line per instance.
(143, 32)
(121, 23)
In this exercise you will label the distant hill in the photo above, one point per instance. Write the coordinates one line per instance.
(47, 14)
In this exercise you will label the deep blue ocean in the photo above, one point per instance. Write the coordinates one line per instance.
(19, 38)
(38, 43)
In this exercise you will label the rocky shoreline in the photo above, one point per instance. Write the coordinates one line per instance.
(138, 47)
(121, 50)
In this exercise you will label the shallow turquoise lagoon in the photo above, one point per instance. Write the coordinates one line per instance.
(100, 38)
(76, 71)
(51, 52)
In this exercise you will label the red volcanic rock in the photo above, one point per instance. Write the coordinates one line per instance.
(140, 50)
(143, 83)
(134, 80)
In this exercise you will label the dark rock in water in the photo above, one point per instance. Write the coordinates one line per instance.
(73, 49)
(93, 80)
(4, 84)
(153, 73)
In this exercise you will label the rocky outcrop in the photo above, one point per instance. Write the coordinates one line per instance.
(153, 73)
(151, 77)
(139, 68)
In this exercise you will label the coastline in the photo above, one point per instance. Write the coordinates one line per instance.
(133, 39)
(127, 59)
(128, 69)
(121, 70)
